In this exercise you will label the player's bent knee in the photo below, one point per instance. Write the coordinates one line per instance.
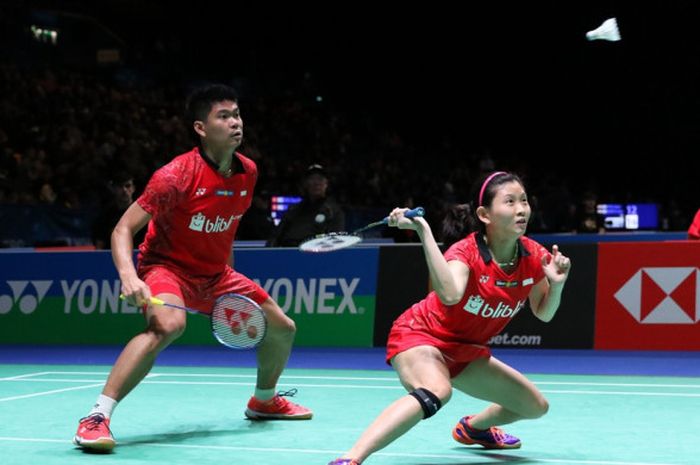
(542, 407)
(537, 409)
(169, 328)
(429, 402)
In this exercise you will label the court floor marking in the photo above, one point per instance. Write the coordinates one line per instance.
(27, 375)
(348, 378)
(497, 457)
(54, 391)
(331, 386)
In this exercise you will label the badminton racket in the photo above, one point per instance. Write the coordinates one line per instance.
(236, 321)
(339, 240)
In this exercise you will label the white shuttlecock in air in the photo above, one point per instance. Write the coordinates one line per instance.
(606, 31)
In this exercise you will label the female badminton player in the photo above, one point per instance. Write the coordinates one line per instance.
(483, 280)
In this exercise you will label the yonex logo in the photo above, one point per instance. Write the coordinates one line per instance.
(662, 295)
(27, 303)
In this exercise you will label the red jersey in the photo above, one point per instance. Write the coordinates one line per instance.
(195, 213)
(694, 230)
(492, 297)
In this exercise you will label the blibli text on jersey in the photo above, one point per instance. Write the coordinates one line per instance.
(478, 306)
(201, 223)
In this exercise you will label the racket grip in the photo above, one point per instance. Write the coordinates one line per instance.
(153, 300)
(414, 212)
(418, 211)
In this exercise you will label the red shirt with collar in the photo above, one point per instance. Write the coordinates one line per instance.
(195, 213)
(491, 299)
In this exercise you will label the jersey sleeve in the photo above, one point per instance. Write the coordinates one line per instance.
(538, 251)
(164, 189)
(462, 252)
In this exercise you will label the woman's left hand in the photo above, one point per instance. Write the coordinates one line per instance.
(556, 266)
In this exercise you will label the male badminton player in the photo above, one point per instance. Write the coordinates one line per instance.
(192, 206)
(481, 282)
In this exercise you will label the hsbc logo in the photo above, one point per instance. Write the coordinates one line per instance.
(662, 295)
(27, 295)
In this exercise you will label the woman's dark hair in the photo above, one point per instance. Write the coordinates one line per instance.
(461, 219)
(201, 100)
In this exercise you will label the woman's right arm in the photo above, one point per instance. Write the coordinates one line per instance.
(449, 279)
(133, 219)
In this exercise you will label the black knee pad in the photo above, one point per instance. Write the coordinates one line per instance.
(429, 402)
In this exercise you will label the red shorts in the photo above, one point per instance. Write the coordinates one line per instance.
(457, 354)
(200, 293)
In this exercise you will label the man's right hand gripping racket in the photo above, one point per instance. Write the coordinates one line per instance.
(339, 240)
(236, 321)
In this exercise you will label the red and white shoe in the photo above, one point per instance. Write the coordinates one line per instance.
(277, 408)
(93, 433)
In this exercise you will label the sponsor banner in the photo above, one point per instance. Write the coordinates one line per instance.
(330, 296)
(648, 296)
(402, 281)
(572, 326)
(73, 297)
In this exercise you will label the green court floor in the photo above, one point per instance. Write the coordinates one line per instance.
(195, 416)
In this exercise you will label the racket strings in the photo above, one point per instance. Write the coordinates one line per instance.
(330, 242)
(238, 323)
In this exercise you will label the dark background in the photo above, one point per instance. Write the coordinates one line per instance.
(518, 83)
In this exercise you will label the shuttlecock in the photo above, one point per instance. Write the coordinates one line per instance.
(606, 31)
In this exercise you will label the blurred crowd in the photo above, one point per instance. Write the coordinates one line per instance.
(63, 132)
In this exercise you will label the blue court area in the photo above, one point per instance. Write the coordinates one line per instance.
(607, 408)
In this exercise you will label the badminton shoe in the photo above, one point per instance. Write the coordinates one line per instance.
(492, 438)
(277, 408)
(93, 433)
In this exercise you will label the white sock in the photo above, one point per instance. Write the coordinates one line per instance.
(264, 394)
(104, 405)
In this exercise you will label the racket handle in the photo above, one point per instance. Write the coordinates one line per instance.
(418, 211)
(153, 300)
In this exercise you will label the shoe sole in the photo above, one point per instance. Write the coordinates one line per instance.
(486, 445)
(253, 415)
(99, 444)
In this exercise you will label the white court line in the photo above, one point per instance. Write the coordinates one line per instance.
(27, 375)
(220, 375)
(45, 393)
(387, 378)
(350, 386)
(466, 456)
(624, 393)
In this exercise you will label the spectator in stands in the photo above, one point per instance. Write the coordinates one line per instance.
(121, 188)
(257, 223)
(587, 218)
(694, 230)
(315, 214)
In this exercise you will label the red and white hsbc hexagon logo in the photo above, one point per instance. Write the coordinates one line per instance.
(662, 295)
(648, 296)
